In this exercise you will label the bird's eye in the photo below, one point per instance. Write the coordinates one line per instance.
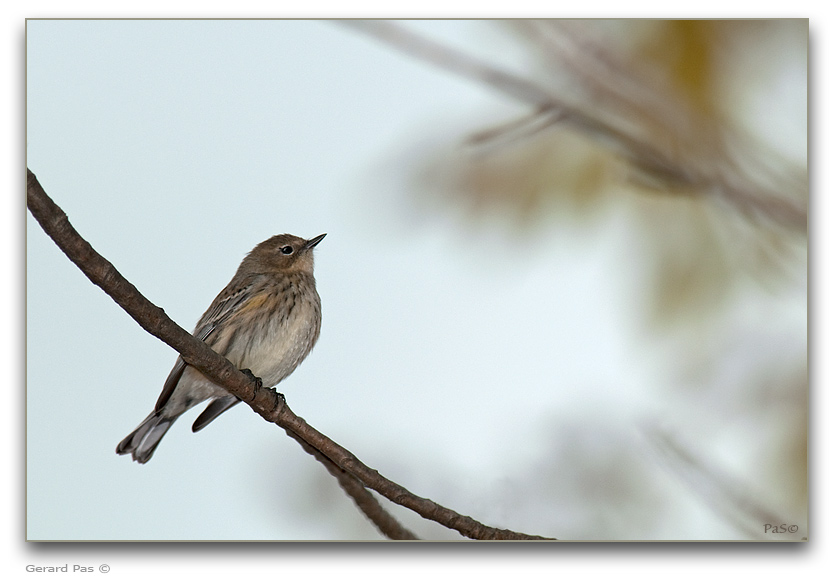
(286, 250)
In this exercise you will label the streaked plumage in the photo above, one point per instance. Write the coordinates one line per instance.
(267, 320)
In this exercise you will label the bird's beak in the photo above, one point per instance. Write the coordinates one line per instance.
(312, 243)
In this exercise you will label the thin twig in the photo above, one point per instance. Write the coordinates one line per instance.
(266, 402)
(364, 500)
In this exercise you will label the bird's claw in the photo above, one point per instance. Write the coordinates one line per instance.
(258, 382)
(252, 376)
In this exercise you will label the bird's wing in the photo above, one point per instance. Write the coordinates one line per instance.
(215, 408)
(227, 303)
(170, 383)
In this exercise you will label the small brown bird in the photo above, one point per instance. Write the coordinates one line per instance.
(266, 320)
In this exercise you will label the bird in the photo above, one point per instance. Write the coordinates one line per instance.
(265, 321)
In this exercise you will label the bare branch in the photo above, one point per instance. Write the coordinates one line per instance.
(364, 500)
(268, 403)
(656, 166)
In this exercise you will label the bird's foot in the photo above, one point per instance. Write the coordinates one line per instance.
(257, 380)
(259, 383)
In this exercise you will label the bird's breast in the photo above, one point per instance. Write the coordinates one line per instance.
(279, 341)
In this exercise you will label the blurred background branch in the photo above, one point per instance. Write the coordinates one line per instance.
(671, 145)
(732, 499)
(688, 133)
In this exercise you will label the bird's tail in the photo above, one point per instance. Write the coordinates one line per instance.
(142, 442)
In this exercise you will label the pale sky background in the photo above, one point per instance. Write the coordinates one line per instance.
(447, 354)
(175, 147)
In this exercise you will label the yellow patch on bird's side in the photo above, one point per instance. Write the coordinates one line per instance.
(256, 301)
